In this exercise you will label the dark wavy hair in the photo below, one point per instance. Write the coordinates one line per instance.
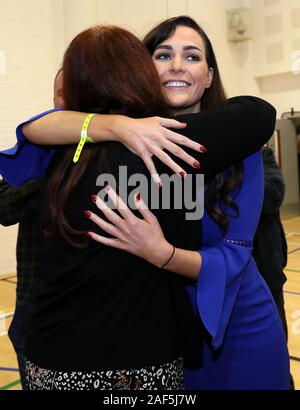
(217, 190)
(106, 70)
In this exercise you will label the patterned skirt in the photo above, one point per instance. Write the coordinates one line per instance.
(167, 376)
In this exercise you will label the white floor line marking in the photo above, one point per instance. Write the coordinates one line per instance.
(288, 235)
(5, 315)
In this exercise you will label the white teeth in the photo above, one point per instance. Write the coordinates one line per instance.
(176, 84)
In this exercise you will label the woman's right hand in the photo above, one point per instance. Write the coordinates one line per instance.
(146, 137)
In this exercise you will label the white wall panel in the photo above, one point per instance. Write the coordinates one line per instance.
(177, 7)
(28, 31)
(138, 16)
(78, 15)
(31, 37)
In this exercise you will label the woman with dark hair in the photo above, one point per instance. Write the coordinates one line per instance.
(244, 344)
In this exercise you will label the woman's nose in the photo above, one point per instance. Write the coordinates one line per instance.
(177, 65)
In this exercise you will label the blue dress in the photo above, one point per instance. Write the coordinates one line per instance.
(244, 346)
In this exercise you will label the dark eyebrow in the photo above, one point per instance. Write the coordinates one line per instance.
(164, 47)
(168, 47)
(192, 48)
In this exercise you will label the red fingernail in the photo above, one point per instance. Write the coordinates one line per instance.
(138, 196)
(87, 234)
(197, 165)
(87, 214)
(159, 185)
(94, 198)
(182, 174)
(203, 149)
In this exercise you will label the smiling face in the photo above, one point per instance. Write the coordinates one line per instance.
(182, 67)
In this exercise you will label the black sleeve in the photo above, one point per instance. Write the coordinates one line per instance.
(17, 203)
(230, 134)
(274, 182)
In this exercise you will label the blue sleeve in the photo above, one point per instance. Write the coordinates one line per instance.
(25, 160)
(224, 260)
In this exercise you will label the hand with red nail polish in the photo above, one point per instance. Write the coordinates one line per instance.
(140, 236)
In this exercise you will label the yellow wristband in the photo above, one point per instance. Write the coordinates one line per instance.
(83, 137)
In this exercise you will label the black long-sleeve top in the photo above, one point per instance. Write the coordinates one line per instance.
(20, 205)
(102, 308)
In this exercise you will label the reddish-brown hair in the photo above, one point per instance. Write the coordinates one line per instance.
(106, 70)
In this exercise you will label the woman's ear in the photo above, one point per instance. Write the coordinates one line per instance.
(210, 77)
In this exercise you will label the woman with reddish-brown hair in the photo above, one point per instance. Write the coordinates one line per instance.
(104, 319)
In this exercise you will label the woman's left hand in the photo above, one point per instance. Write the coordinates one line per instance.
(141, 237)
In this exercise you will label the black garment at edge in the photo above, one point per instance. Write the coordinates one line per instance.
(270, 247)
